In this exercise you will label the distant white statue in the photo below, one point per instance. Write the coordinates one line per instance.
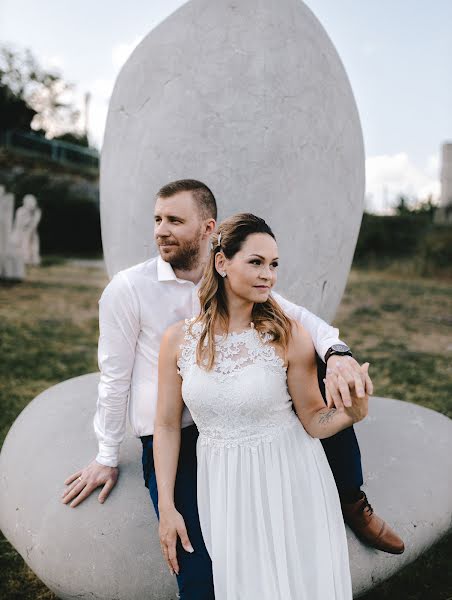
(25, 235)
(11, 261)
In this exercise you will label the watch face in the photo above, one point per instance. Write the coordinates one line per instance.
(340, 348)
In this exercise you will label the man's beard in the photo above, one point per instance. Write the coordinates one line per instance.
(185, 256)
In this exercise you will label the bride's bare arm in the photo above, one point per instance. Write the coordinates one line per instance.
(319, 420)
(167, 432)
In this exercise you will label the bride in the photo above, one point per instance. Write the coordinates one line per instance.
(268, 504)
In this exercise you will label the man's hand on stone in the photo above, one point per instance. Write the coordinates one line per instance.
(83, 483)
(345, 379)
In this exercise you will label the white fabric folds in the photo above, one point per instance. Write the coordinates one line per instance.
(268, 504)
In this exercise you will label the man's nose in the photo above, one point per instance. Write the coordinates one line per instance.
(161, 229)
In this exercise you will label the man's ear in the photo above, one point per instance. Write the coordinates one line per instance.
(209, 227)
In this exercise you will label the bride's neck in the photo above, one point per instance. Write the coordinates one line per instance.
(240, 313)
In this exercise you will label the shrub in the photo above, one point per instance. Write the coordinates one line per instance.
(389, 237)
(436, 249)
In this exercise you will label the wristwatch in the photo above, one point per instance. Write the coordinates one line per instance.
(338, 350)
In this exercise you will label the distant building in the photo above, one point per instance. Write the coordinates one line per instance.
(444, 212)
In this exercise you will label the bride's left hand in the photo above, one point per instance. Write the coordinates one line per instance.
(171, 525)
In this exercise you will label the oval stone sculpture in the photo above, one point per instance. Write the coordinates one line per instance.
(94, 551)
(251, 98)
(112, 550)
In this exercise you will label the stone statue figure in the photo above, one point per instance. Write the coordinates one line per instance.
(11, 260)
(25, 230)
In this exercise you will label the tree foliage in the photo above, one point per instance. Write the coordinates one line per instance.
(34, 96)
(14, 111)
(420, 207)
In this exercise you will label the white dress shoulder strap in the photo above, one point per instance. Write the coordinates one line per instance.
(192, 331)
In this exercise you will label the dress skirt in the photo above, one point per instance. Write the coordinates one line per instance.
(271, 518)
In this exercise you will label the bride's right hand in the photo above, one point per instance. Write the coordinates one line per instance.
(172, 525)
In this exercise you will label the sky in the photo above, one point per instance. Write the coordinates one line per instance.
(397, 54)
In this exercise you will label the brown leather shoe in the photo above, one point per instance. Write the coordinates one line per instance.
(370, 528)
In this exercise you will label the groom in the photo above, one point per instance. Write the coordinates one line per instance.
(135, 309)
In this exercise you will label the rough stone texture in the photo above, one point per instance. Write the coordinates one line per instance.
(112, 550)
(251, 98)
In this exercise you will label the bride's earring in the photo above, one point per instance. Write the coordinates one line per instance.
(223, 274)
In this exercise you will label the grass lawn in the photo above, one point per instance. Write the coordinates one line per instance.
(403, 327)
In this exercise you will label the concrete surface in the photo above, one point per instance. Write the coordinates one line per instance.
(112, 551)
(250, 97)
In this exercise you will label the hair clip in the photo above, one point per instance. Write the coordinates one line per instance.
(219, 240)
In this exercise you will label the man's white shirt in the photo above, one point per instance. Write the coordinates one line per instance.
(135, 309)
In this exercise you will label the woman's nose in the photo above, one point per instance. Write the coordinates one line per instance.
(265, 272)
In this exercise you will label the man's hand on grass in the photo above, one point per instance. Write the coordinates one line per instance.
(82, 483)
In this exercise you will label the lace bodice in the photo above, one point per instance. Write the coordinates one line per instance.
(244, 399)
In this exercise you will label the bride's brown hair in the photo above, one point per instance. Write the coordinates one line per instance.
(267, 316)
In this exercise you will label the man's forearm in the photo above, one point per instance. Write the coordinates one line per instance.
(110, 427)
(119, 327)
(112, 401)
(323, 335)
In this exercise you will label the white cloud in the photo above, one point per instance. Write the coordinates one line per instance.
(433, 166)
(52, 63)
(100, 90)
(389, 176)
(121, 52)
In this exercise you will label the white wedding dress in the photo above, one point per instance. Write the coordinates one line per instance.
(268, 504)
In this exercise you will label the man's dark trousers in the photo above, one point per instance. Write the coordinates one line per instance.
(342, 449)
(195, 579)
(195, 570)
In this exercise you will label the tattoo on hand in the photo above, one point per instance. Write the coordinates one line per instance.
(326, 417)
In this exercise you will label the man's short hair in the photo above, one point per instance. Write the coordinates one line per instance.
(202, 195)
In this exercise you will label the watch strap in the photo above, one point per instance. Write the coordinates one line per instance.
(331, 352)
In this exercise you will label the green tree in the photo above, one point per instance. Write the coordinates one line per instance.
(46, 94)
(14, 112)
(402, 207)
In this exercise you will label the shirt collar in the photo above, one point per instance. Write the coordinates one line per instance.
(165, 272)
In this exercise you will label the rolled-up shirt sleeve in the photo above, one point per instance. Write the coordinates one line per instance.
(119, 327)
(323, 335)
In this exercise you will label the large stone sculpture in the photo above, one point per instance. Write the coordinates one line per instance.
(25, 230)
(12, 265)
(252, 98)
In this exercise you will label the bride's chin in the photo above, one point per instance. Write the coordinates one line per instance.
(261, 299)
